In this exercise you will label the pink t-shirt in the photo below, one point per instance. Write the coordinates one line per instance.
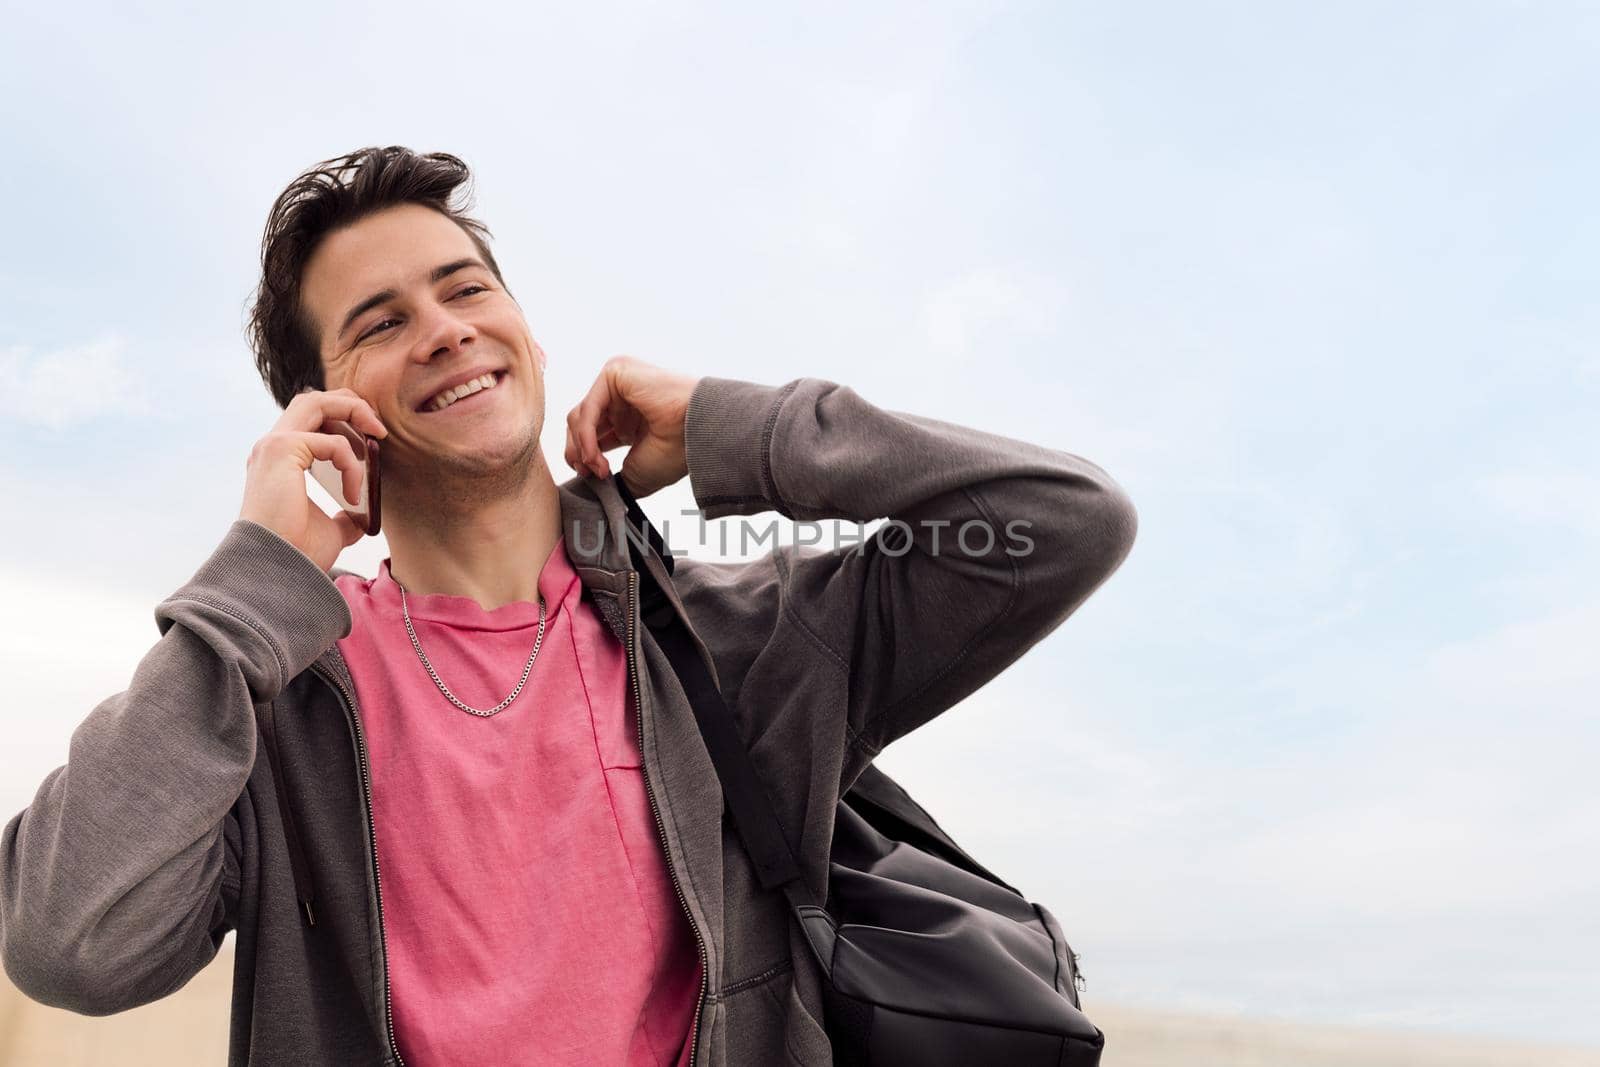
(528, 910)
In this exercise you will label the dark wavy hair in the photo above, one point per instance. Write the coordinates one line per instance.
(329, 196)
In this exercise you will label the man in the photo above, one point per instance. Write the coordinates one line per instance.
(461, 812)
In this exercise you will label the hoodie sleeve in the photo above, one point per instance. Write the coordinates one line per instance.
(988, 543)
(119, 880)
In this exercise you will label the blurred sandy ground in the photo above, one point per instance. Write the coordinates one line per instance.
(191, 1028)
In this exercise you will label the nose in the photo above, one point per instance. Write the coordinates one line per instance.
(442, 331)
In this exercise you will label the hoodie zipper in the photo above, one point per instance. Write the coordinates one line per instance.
(372, 836)
(661, 827)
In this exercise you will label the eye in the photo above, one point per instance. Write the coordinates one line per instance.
(376, 327)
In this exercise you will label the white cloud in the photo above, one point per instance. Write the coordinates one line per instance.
(1472, 792)
(65, 648)
(65, 386)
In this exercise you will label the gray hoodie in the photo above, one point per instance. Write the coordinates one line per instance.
(227, 789)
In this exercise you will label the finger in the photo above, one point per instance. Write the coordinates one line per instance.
(335, 448)
(305, 446)
(351, 468)
(585, 425)
(625, 419)
(353, 479)
(309, 409)
(600, 458)
(571, 454)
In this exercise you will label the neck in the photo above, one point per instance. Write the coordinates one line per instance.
(485, 539)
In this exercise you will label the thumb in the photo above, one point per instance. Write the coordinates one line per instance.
(350, 530)
(635, 476)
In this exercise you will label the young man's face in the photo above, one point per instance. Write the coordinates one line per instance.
(397, 334)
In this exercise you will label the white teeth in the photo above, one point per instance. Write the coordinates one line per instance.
(450, 396)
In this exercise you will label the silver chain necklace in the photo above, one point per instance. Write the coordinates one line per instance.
(537, 641)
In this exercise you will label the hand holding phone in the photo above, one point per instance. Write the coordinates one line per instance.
(364, 509)
(335, 432)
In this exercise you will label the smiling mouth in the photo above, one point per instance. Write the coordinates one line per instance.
(428, 409)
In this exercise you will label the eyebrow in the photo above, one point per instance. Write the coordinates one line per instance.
(439, 274)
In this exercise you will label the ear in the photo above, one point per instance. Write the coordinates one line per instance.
(542, 359)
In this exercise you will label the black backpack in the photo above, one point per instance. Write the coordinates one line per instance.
(927, 957)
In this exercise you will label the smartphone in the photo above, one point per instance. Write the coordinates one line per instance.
(364, 510)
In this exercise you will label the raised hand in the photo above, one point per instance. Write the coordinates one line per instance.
(636, 404)
(275, 493)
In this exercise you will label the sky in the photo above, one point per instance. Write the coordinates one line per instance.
(1313, 282)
